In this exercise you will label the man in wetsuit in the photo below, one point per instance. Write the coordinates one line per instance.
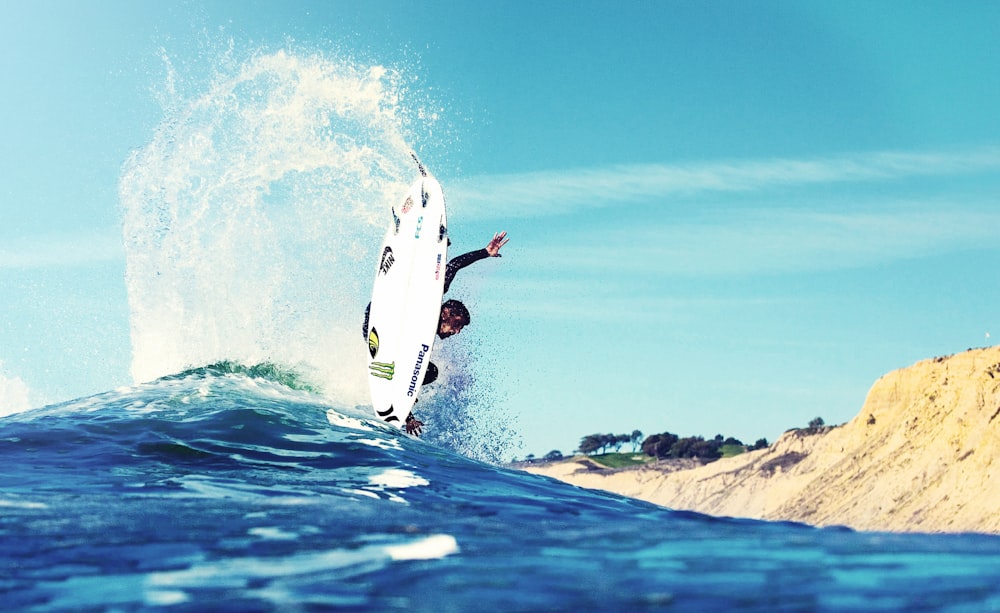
(454, 314)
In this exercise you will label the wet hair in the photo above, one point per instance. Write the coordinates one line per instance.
(457, 309)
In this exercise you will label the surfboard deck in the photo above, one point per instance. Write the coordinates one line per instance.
(406, 299)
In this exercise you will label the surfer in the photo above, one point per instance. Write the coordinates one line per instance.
(454, 315)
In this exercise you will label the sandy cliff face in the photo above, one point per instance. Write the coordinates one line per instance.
(922, 455)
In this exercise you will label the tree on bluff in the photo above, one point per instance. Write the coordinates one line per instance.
(600, 442)
(590, 443)
(635, 439)
(597, 442)
(659, 445)
(666, 445)
(669, 445)
(697, 447)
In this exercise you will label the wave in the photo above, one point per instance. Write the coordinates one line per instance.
(267, 370)
(216, 488)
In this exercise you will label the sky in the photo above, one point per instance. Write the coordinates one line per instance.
(725, 217)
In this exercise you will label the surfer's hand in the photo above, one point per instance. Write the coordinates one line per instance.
(413, 425)
(499, 240)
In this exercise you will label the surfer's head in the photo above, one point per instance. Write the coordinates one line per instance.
(454, 317)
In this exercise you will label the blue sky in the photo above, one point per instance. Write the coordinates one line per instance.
(725, 217)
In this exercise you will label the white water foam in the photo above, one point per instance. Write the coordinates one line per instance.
(252, 217)
(432, 547)
(392, 481)
(14, 394)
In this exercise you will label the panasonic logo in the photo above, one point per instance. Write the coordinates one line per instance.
(416, 370)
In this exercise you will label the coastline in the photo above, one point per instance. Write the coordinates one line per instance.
(922, 455)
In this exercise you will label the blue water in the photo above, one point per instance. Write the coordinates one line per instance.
(227, 491)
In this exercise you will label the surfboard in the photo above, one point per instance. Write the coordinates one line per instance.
(406, 299)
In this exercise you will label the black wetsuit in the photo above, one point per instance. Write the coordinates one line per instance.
(458, 263)
(454, 265)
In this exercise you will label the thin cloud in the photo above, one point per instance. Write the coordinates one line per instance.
(777, 241)
(554, 193)
(60, 250)
(603, 274)
(594, 302)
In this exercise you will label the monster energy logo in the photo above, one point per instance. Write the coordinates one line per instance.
(383, 370)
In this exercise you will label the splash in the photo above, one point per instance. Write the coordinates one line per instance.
(14, 394)
(251, 224)
(464, 410)
(251, 218)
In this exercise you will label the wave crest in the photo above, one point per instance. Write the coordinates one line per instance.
(266, 370)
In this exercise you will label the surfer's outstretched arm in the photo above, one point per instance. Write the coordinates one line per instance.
(456, 264)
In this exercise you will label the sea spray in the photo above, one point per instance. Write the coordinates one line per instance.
(252, 216)
(465, 410)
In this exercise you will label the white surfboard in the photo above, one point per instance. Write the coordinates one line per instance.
(406, 299)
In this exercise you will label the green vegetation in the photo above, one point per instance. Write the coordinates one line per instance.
(662, 446)
(729, 451)
(600, 442)
(621, 460)
(668, 445)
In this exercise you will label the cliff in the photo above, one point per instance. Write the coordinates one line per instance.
(923, 455)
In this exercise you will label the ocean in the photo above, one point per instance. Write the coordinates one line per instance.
(225, 488)
(244, 471)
